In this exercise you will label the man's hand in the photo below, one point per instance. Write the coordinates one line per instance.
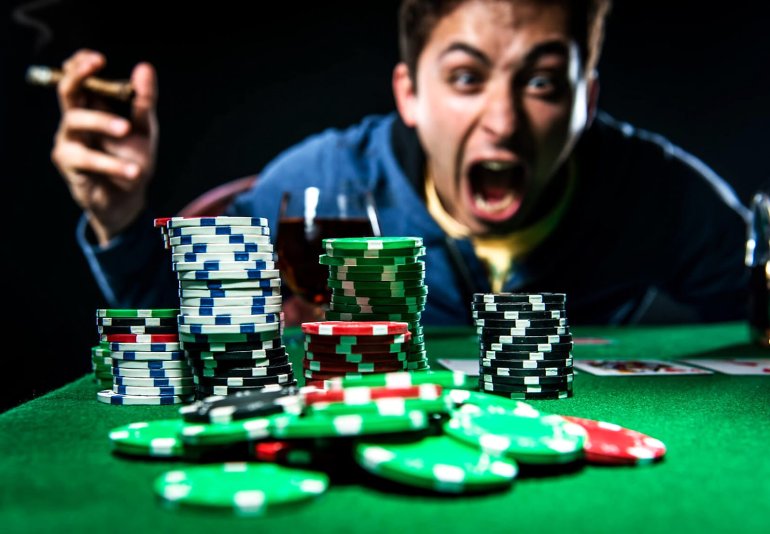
(106, 161)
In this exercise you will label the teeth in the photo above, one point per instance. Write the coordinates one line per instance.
(497, 165)
(494, 205)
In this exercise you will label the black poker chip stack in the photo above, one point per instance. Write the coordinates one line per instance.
(525, 346)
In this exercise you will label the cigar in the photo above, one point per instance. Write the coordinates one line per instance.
(117, 89)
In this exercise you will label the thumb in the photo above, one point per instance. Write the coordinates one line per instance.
(145, 83)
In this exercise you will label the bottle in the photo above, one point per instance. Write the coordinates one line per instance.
(758, 261)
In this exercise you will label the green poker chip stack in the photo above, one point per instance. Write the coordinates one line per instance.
(379, 279)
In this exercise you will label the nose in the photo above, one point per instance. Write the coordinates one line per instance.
(499, 116)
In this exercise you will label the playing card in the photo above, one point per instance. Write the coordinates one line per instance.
(735, 366)
(637, 368)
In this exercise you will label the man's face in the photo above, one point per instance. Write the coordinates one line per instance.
(499, 102)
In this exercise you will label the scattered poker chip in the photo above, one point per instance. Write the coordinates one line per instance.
(523, 433)
(246, 489)
(257, 403)
(151, 438)
(436, 463)
(372, 243)
(317, 425)
(363, 395)
(514, 298)
(341, 328)
(384, 406)
(248, 274)
(184, 222)
(124, 313)
(262, 247)
(608, 443)
(110, 397)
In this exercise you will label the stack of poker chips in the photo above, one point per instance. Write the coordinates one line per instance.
(147, 363)
(231, 321)
(525, 345)
(379, 279)
(351, 349)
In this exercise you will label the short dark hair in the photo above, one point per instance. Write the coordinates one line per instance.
(418, 18)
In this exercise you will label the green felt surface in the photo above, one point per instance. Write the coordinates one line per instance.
(58, 474)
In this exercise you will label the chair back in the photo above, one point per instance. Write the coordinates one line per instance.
(215, 201)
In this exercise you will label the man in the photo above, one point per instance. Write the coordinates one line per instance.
(497, 158)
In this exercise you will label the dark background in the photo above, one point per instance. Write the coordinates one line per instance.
(239, 84)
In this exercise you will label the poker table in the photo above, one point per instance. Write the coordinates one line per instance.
(58, 474)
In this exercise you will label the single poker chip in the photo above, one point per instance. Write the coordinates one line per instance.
(146, 351)
(389, 286)
(256, 403)
(216, 265)
(375, 277)
(526, 337)
(385, 406)
(152, 382)
(326, 259)
(521, 323)
(231, 390)
(518, 315)
(379, 301)
(530, 358)
(490, 346)
(494, 307)
(354, 308)
(262, 247)
(341, 328)
(497, 380)
(246, 274)
(255, 303)
(243, 257)
(248, 489)
(164, 312)
(511, 372)
(257, 337)
(149, 438)
(110, 397)
(418, 266)
(248, 328)
(161, 222)
(161, 391)
(332, 315)
(238, 355)
(140, 330)
(349, 367)
(222, 347)
(135, 360)
(269, 293)
(219, 230)
(517, 298)
(151, 373)
(448, 379)
(372, 243)
(524, 365)
(136, 321)
(262, 318)
(384, 253)
(227, 432)
(522, 433)
(608, 443)
(274, 368)
(436, 463)
(419, 292)
(355, 349)
(508, 389)
(226, 311)
(201, 365)
(141, 338)
(318, 425)
(544, 395)
(235, 239)
(185, 222)
(345, 340)
(239, 381)
(417, 365)
(267, 284)
(356, 395)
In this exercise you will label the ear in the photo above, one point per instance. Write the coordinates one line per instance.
(404, 92)
(593, 96)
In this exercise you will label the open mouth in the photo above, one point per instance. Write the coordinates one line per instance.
(496, 189)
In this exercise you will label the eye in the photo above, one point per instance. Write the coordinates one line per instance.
(465, 80)
(543, 85)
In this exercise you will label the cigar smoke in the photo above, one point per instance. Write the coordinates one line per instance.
(22, 16)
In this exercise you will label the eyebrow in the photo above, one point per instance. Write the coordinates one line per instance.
(554, 47)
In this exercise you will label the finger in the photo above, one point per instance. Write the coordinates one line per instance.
(75, 156)
(78, 67)
(78, 121)
(145, 83)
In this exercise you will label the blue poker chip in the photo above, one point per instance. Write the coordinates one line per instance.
(217, 265)
(273, 305)
(226, 311)
(220, 248)
(234, 239)
(222, 293)
(152, 381)
(245, 274)
(252, 328)
(219, 230)
(151, 373)
(130, 351)
(224, 256)
(230, 319)
(163, 391)
(270, 285)
(139, 363)
(224, 220)
(110, 397)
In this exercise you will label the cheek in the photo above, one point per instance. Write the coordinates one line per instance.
(550, 127)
